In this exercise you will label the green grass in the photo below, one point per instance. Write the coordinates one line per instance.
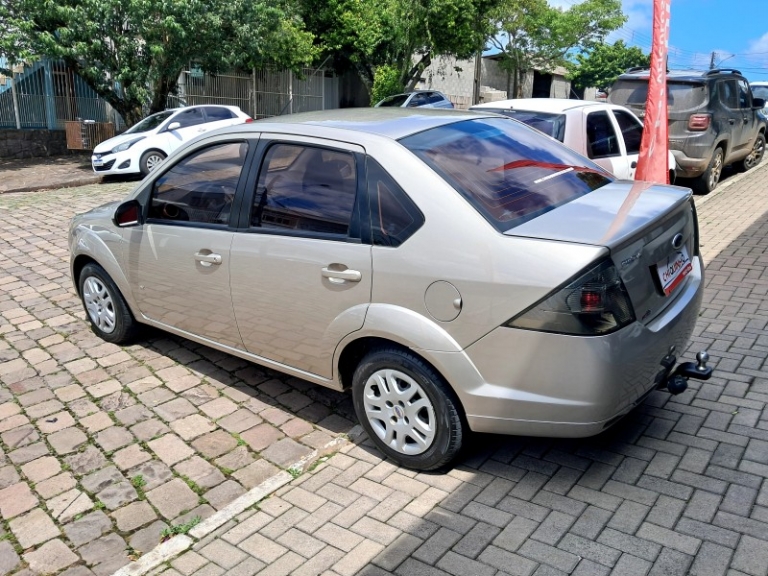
(172, 531)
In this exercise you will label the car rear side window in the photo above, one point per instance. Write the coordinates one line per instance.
(201, 187)
(729, 94)
(631, 130)
(305, 189)
(509, 172)
(217, 113)
(191, 117)
(601, 136)
(394, 216)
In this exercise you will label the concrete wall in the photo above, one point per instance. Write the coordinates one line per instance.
(32, 143)
(456, 77)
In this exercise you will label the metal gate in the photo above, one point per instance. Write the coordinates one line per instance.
(261, 93)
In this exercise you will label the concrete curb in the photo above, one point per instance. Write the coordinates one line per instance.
(171, 548)
(67, 184)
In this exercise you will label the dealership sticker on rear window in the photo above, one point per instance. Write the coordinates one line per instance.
(673, 269)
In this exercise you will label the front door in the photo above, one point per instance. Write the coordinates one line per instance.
(179, 260)
(301, 276)
(631, 131)
(603, 144)
(192, 123)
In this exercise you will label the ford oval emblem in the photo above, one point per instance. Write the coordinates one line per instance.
(677, 241)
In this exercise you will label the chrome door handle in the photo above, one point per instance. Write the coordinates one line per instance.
(208, 259)
(338, 276)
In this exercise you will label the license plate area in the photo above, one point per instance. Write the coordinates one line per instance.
(98, 161)
(673, 269)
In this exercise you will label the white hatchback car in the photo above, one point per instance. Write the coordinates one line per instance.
(607, 134)
(142, 147)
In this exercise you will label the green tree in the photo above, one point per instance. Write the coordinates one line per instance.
(131, 52)
(600, 66)
(404, 35)
(532, 34)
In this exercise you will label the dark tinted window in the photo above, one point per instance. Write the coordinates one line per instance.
(394, 216)
(305, 189)
(191, 117)
(551, 124)
(601, 137)
(681, 96)
(744, 99)
(149, 123)
(729, 94)
(216, 113)
(398, 100)
(507, 171)
(417, 100)
(434, 98)
(201, 187)
(631, 130)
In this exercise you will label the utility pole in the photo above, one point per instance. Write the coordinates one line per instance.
(477, 79)
(712, 61)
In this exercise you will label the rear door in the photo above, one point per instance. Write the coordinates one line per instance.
(749, 115)
(603, 144)
(734, 118)
(218, 117)
(301, 270)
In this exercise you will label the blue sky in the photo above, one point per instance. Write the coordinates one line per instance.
(736, 29)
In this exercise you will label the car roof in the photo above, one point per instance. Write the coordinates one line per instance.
(688, 75)
(392, 123)
(759, 83)
(554, 105)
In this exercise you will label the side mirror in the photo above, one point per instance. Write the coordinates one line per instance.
(758, 102)
(127, 214)
(173, 126)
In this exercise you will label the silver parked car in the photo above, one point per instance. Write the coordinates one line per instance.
(416, 99)
(456, 271)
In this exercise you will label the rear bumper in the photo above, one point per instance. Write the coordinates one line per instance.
(538, 384)
(688, 167)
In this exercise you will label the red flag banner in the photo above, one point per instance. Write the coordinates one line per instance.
(653, 163)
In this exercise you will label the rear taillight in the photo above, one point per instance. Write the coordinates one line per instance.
(248, 120)
(699, 122)
(595, 303)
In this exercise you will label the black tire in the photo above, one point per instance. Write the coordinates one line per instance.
(445, 415)
(149, 160)
(94, 280)
(755, 156)
(707, 182)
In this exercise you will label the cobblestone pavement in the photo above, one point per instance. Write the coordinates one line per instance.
(678, 487)
(102, 448)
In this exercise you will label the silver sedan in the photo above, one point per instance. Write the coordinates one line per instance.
(456, 271)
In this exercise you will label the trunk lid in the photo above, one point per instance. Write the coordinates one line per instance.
(646, 228)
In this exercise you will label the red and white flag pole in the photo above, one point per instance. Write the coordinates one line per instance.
(653, 163)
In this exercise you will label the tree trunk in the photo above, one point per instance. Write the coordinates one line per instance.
(414, 74)
(366, 76)
(163, 87)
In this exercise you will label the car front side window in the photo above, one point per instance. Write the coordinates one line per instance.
(601, 137)
(201, 187)
(305, 190)
(631, 130)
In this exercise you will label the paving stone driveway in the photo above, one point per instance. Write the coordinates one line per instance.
(678, 487)
(103, 447)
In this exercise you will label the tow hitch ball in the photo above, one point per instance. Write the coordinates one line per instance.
(675, 379)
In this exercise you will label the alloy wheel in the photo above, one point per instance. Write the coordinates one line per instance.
(757, 153)
(98, 302)
(153, 160)
(716, 169)
(399, 411)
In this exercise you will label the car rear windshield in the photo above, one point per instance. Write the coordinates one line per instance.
(508, 172)
(680, 95)
(398, 100)
(760, 92)
(551, 124)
